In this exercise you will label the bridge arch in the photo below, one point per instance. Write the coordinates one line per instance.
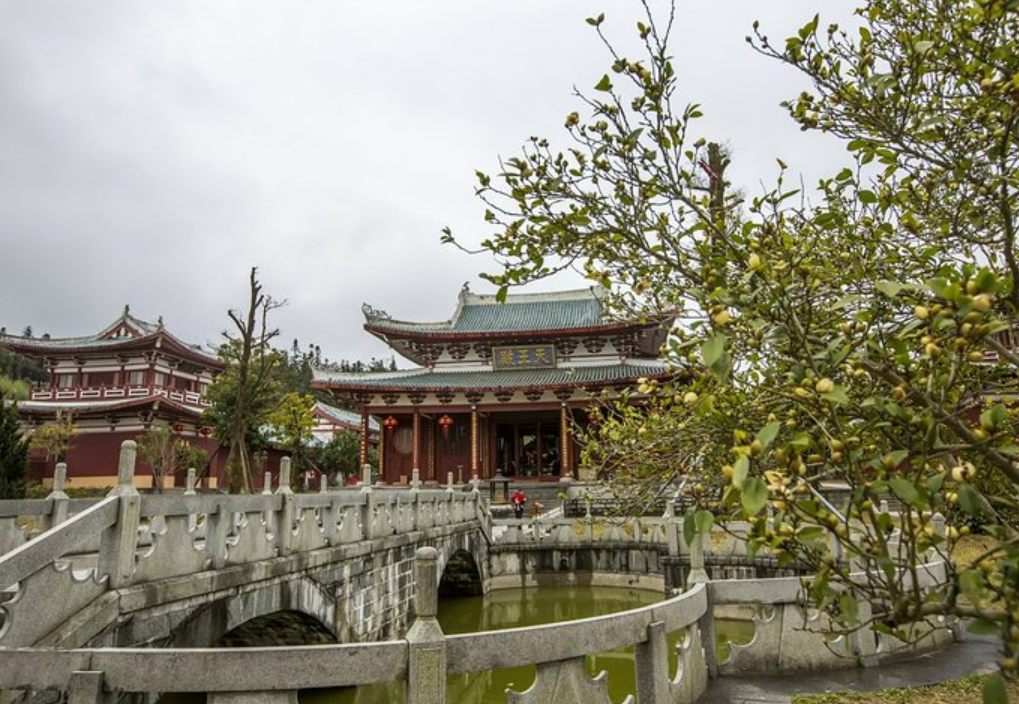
(212, 621)
(280, 629)
(461, 576)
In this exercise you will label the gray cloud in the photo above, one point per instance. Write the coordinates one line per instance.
(150, 153)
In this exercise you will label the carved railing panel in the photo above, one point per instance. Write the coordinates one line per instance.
(41, 587)
(692, 677)
(565, 682)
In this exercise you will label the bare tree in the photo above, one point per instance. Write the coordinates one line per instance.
(246, 392)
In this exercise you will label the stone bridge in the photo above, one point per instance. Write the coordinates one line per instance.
(183, 570)
(123, 596)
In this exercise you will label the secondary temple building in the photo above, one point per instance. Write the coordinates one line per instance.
(113, 385)
(499, 386)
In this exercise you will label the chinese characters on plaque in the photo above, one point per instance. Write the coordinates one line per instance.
(524, 357)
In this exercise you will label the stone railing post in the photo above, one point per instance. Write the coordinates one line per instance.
(426, 671)
(864, 641)
(706, 626)
(415, 498)
(86, 687)
(285, 520)
(671, 529)
(697, 572)
(189, 490)
(564, 492)
(267, 483)
(652, 662)
(449, 481)
(59, 498)
(368, 517)
(217, 529)
(118, 542)
(284, 485)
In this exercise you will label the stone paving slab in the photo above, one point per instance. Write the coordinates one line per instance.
(975, 655)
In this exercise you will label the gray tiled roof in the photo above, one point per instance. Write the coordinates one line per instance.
(425, 379)
(82, 407)
(564, 310)
(104, 339)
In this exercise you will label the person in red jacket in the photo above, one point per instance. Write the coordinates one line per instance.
(518, 500)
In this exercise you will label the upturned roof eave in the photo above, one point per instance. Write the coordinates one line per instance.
(86, 409)
(385, 333)
(89, 346)
(352, 387)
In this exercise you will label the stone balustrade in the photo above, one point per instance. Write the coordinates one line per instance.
(784, 641)
(791, 636)
(126, 539)
(422, 660)
(108, 547)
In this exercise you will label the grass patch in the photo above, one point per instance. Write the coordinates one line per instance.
(968, 690)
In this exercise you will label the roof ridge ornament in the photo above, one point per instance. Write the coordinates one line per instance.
(374, 313)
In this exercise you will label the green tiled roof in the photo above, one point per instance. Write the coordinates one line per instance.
(481, 380)
(344, 416)
(564, 310)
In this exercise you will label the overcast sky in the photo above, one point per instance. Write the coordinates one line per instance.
(152, 152)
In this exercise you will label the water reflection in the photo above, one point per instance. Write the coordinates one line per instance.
(509, 608)
(514, 608)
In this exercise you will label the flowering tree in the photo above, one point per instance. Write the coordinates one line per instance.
(859, 336)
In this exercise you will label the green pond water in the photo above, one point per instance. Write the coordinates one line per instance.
(514, 608)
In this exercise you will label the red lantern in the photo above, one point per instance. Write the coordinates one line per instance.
(445, 423)
(205, 431)
(178, 428)
(390, 422)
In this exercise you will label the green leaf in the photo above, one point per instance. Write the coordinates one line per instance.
(995, 691)
(971, 584)
(897, 457)
(689, 528)
(836, 395)
(715, 356)
(801, 442)
(938, 286)
(849, 609)
(740, 471)
(867, 197)
(904, 489)
(704, 520)
(889, 288)
(755, 496)
(768, 433)
(712, 349)
(605, 84)
(811, 534)
(969, 500)
(988, 282)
